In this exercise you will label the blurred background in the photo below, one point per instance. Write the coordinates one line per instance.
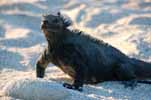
(125, 24)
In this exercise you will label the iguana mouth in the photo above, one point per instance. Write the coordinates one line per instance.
(46, 25)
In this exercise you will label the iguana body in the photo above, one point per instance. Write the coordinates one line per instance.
(84, 58)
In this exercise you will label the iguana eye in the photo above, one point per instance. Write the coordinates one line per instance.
(55, 21)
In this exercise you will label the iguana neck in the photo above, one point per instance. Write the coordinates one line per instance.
(55, 39)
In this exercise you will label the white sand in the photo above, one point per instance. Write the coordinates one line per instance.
(126, 24)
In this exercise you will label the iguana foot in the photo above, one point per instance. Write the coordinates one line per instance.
(40, 71)
(69, 86)
(131, 83)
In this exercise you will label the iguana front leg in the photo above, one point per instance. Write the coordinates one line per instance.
(76, 61)
(78, 80)
(42, 63)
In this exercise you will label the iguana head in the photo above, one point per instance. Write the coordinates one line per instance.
(54, 23)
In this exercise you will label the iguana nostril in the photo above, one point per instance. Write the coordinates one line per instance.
(45, 22)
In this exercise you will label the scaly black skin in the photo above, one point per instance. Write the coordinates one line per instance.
(86, 59)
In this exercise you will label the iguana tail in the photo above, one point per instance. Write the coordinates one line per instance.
(142, 69)
(144, 81)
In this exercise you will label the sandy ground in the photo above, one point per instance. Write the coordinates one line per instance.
(125, 24)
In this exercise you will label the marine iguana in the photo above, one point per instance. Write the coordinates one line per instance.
(86, 59)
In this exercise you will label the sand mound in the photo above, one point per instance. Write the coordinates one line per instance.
(39, 89)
